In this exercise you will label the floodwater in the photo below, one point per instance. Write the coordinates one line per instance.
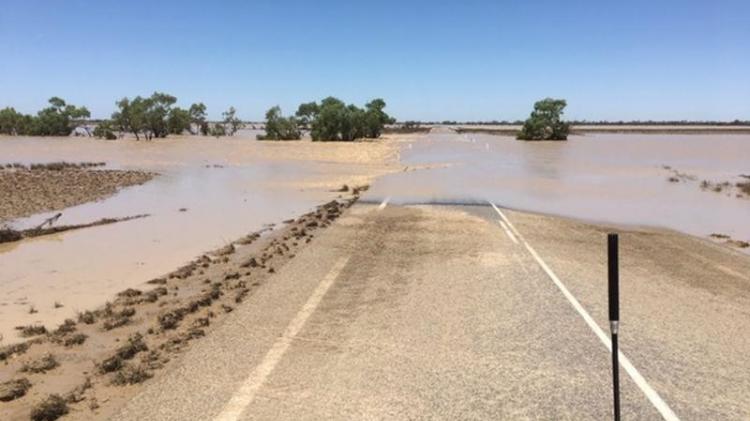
(610, 178)
(231, 187)
(227, 188)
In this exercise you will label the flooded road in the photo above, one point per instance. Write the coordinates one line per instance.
(611, 178)
(209, 192)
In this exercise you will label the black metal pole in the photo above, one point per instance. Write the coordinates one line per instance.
(614, 316)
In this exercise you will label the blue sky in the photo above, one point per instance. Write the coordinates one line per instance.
(430, 60)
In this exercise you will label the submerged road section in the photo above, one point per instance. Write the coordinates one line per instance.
(452, 312)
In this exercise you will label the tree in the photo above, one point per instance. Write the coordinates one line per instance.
(59, 119)
(334, 120)
(376, 118)
(179, 120)
(158, 108)
(328, 122)
(231, 123)
(152, 117)
(545, 122)
(131, 116)
(198, 118)
(306, 113)
(14, 123)
(279, 127)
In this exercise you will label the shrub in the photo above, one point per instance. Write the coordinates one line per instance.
(49, 409)
(14, 389)
(131, 374)
(105, 130)
(45, 363)
(31, 330)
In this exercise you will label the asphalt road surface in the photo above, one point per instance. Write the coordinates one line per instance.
(444, 312)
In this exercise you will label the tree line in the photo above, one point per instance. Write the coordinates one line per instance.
(58, 119)
(145, 117)
(329, 120)
(157, 116)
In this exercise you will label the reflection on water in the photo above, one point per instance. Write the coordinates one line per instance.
(616, 178)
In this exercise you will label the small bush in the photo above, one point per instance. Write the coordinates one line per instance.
(87, 317)
(49, 409)
(14, 349)
(14, 389)
(77, 339)
(126, 352)
(131, 374)
(46, 363)
(31, 330)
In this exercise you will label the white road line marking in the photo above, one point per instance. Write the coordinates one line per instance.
(507, 231)
(656, 400)
(384, 204)
(507, 221)
(249, 388)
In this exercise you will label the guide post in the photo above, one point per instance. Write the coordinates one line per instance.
(614, 316)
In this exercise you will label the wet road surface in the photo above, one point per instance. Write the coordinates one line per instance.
(436, 312)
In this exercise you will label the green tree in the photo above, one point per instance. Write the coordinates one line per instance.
(328, 123)
(14, 123)
(376, 118)
(306, 113)
(231, 122)
(179, 120)
(545, 122)
(279, 127)
(131, 116)
(59, 119)
(335, 120)
(158, 108)
(152, 117)
(198, 118)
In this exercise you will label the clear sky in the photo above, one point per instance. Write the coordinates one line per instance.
(430, 60)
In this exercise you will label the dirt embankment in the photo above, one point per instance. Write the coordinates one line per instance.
(27, 190)
(87, 368)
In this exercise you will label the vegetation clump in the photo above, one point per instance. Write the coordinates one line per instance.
(131, 374)
(31, 330)
(545, 122)
(46, 363)
(279, 127)
(331, 120)
(13, 349)
(126, 352)
(50, 409)
(14, 389)
(59, 119)
(334, 120)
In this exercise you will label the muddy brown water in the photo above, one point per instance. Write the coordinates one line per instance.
(227, 188)
(231, 187)
(610, 178)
